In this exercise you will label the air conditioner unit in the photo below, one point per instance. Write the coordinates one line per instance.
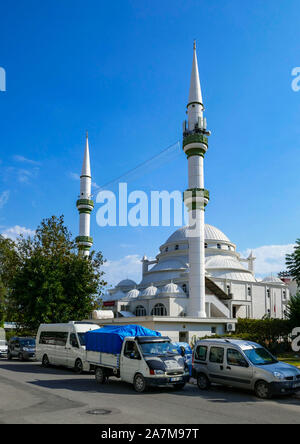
(230, 327)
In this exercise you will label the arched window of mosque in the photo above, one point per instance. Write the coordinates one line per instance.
(284, 294)
(140, 311)
(184, 288)
(167, 249)
(176, 247)
(219, 246)
(159, 310)
(229, 248)
(205, 245)
(249, 291)
(268, 292)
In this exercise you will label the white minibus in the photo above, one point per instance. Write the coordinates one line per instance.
(63, 345)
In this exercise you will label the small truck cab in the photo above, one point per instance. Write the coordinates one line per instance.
(142, 361)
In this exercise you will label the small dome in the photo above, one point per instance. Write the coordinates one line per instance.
(150, 291)
(133, 294)
(118, 295)
(126, 283)
(172, 288)
(210, 233)
(272, 280)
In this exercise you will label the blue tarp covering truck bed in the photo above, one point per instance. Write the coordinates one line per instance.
(109, 339)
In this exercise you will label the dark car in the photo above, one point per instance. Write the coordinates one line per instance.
(21, 348)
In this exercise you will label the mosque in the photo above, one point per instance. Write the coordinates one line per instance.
(198, 284)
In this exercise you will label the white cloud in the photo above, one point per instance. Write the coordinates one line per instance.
(25, 160)
(14, 232)
(74, 176)
(269, 258)
(128, 267)
(4, 198)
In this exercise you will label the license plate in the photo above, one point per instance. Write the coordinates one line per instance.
(179, 378)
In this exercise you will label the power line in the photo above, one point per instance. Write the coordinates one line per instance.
(154, 162)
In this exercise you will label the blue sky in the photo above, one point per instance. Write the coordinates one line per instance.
(121, 71)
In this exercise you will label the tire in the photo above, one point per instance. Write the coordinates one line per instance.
(262, 390)
(9, 356)
(100, 375)
(45, 361)
(78, 368)
(139, 383)
(203, 382)
(21, 357)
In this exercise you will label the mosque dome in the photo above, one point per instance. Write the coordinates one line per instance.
(151, 291)
(228, 267)
(172, 289)
(118, 295)
(133, 294)
(126, 283)
(272, 280)
(210, 233)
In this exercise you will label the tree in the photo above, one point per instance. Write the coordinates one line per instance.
(9, 262)
(53, 283)
(293, 262)
(293, 311)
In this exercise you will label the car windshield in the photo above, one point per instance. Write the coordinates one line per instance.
(260, 356)
(158, 348)
(81, 337)
(27, 342)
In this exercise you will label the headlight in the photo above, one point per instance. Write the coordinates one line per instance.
(278, 375)
(25, 349)
(159, 372)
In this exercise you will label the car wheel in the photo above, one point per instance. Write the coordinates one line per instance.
(100, 375)
(21, 357)
(139, 383)
(45, 361)
(78, 367)
(262, 390)
(203, 382)
(9, 356)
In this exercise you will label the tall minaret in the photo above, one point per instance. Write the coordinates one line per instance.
(85, 205)
(196, 197)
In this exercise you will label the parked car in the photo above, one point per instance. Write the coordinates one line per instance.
(136, 355)
(245, 365)
(3, 348)
(21, 348)
(64, 344)
(185, 350)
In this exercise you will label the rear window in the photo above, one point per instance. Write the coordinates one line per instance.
(201, 353)
(216, 355)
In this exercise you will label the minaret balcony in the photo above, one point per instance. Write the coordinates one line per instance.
(195, 198)
(195, 144)
(85, 241)
(85, 204)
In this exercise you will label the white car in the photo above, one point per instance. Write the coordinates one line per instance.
(3, 348)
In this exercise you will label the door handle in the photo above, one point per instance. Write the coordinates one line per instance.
(221, 367)
(228, 368)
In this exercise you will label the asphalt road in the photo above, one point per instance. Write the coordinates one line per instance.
(32, 394)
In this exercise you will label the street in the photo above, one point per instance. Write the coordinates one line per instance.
(31, 394)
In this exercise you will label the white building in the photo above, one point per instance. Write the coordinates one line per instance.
(198, 284)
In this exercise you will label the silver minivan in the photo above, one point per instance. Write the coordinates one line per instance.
(242, 364)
